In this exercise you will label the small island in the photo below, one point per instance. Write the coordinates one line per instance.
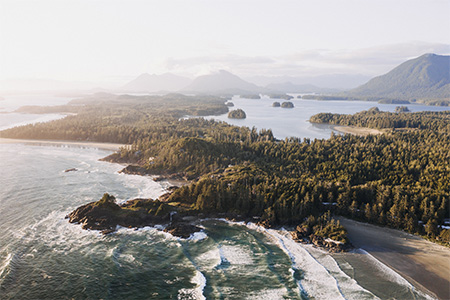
(237, 114)
(287, 104)
(402, 109)
(276, 104)
(255, 96)
(229, 104)
(393, 101)
(280, 96)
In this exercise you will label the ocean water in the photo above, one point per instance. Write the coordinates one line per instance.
(42, 256)
(9, 118)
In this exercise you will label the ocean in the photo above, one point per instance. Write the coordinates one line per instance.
(42, 256)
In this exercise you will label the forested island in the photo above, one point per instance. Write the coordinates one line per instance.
(237, 114)
(287, 104)
(280, 96)
(251, 96)
(398, 179)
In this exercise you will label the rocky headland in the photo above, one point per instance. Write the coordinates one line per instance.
(105, 215)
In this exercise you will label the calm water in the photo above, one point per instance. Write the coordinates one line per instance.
(9, 119)
(42, 256)
(286, 122)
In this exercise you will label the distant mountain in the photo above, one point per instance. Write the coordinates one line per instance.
(157, 83)
(221, 82)
(425, 77)
(289, 87)
(329, 81)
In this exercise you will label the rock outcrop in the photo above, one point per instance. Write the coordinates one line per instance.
(303, 234)
(105, 215)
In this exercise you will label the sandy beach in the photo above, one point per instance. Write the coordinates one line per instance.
(362, 131)
(424, 264)
(103, 146)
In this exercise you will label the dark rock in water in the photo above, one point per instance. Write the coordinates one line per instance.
(183, 230)
(134, 170)
(98, 215)
(107, 231)
(71, 170)
(159, 178)
(105, 214)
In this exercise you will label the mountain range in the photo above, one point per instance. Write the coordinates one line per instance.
(221, 82)
(423, 78)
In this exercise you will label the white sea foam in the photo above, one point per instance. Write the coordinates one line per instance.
(198, 236)
(211, 258)
(235, 255)
(388, 273)
(144, 186)
(196, 293)
(348, 286)
(272, 294)
(5, 264)
(317, 281)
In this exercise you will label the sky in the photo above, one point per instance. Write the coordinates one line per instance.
(114, 41)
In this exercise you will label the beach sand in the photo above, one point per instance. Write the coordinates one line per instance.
(424, 264)
(362, 131)
(103, 146)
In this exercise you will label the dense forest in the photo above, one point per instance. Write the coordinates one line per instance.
(399, 179)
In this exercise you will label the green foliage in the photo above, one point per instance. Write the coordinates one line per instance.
(326, 227)
(400, 179)
(107, 202)
(287, 104)
(237, 114)
(281, 96)
(251, 96)
(434, 121)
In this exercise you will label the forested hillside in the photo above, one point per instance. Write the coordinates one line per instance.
(400, 179)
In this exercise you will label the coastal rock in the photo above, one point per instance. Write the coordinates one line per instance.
(134, 170)
(100, 215)
(105, 215)
(183, 230)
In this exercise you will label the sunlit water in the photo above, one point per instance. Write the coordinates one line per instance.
(287, 122)
(9, 118)
(42, 256)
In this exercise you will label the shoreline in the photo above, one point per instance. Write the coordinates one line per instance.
(98, 145)
(361, 131)
(423, 263)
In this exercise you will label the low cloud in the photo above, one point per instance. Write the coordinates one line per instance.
(313, 62)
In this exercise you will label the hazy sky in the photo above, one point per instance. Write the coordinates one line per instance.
(111, 41)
